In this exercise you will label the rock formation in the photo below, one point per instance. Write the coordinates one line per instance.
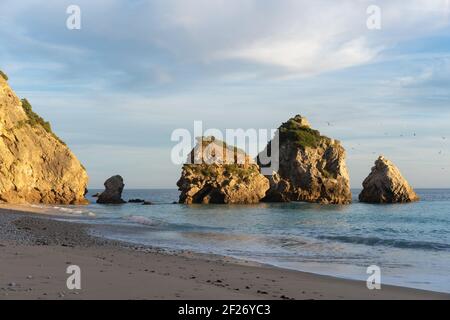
(219, 174)
(113, 191)
(35, 165)
(385, 184)
(312, 167)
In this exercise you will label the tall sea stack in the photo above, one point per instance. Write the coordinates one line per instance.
(312, 167)
(35, 165)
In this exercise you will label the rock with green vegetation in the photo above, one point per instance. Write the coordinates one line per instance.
(35, 165)
(298, 132)
(34, 120)
(312, 167)
(213, 176)
(3, 75)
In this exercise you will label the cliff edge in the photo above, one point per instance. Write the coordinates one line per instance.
(35, 165)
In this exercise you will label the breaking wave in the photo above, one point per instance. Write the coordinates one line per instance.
(396, 243)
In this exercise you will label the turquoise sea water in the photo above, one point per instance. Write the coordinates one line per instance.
(409, 242)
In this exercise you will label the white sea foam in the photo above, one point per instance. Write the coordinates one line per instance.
(62, 210)
(144, 220)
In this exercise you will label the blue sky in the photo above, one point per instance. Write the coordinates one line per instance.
(116, 89)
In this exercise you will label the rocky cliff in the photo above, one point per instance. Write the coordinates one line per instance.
(35, 165)
(312, 167)
(213, 175)
(385, 184)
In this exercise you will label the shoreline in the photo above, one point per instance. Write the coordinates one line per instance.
(35, 251)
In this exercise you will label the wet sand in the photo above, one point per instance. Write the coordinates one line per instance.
(36, 250)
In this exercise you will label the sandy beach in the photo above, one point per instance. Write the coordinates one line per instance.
(36, 250)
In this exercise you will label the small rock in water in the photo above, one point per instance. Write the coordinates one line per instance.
(385, 184)
(136, 201)
(113, 191)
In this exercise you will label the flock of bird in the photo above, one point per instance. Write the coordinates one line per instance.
(401, 136)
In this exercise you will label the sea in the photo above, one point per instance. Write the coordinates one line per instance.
(410, 243)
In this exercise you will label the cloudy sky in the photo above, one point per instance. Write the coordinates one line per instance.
(138, 69)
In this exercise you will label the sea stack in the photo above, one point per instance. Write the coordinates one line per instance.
(385, 184)
(35, 165)
(113, 191)
(219, 174)
(312, 167)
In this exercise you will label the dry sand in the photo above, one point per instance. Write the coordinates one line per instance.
(35, 252)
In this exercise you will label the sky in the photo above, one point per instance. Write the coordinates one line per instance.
(116, 89)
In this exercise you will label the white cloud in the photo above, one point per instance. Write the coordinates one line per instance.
(252, 37)
(300, 37)
(435, 72)
(146, 67)
(306, 57)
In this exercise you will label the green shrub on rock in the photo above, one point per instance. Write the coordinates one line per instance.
(302, 136)
(3, 75)
(35, 120)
